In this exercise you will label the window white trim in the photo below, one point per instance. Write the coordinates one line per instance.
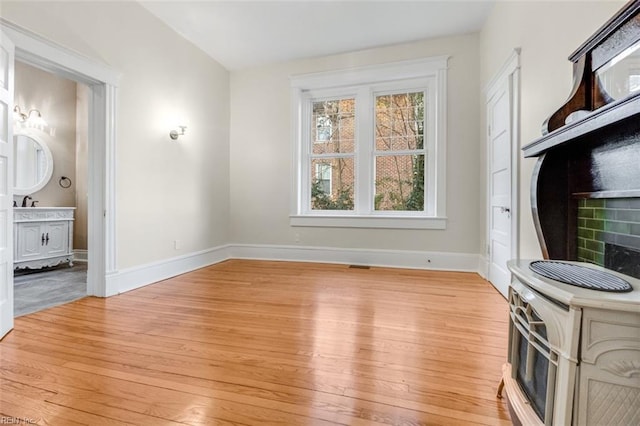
(364, 83)
(362, 221)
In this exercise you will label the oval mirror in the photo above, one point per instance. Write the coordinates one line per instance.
(33, 164)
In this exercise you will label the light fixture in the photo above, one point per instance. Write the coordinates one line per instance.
(33, 117)
(174, 134)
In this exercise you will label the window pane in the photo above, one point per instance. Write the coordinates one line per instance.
(399, 183)
(332, 184)
(333, 126)
(400, 121)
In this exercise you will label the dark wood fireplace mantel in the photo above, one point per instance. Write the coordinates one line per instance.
(590, 147)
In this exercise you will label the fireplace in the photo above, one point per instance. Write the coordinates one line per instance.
(608, 233)
(574, 331)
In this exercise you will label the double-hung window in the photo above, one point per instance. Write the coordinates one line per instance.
(370, 146)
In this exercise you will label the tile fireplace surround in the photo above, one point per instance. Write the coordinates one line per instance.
(609, 233)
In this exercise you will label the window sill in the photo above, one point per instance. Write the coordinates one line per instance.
(370, 222)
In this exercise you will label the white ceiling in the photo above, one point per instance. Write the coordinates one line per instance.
(242, 34)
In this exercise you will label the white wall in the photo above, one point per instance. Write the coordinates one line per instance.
(166, 190)
(547, 32)
(261, 150)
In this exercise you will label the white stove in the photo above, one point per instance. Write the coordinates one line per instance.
(574, 352)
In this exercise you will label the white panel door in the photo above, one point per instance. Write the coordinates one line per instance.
(6, 185)
(499, 138)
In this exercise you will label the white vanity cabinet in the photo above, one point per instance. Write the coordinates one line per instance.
(43, 236)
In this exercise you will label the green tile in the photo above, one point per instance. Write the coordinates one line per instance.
(628, 215)
(599, 213)
(585, 233)
(595, 224)
(598, 235)
(596, 246)
(586, 213)
(582, 243)
(595, 202)
(619, 203)
(582, 223)
(585, 254)
(618, 227)
(599, 259)
(582, 203)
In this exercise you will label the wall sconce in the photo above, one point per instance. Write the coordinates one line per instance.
(174, 134)
(33, 117)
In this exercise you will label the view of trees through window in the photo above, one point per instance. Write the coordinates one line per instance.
(399, 156)
(332, 155)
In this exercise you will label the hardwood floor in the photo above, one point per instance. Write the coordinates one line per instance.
(254, 342)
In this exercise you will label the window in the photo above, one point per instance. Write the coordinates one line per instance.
(322, 184)
(370, 146)
(323, 128)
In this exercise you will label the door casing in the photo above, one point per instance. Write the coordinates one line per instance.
(508, 74)
(102, 82)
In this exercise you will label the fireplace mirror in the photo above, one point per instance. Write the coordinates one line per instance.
(620, 77)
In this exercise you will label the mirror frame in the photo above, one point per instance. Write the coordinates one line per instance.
(48, 173)
(618, 34)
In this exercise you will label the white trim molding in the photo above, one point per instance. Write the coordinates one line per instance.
(428, 260)
(140, 276)
(80, 256)
(398, 222)
(41, 52)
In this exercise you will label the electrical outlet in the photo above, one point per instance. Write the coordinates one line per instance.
(177, 245)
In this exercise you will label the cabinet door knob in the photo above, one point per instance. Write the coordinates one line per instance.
(42, 240)
(47, 239)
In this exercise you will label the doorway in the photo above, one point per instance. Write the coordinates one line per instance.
(502, 132)
(55, 184)
(27, 47)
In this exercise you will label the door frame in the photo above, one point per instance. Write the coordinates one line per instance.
(509, 73)
(102, 81)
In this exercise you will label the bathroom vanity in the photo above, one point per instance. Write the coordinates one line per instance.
(43, 236)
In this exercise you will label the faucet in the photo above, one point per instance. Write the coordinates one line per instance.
(24, 200)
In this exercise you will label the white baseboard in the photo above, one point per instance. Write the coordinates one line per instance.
(80, 255)
(467, 262)
(483, 266)
(139, 276)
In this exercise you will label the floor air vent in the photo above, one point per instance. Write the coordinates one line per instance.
(359, 267)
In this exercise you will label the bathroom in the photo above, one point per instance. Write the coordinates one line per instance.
(50, 120)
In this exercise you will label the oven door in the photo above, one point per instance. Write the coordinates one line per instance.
(540, 342)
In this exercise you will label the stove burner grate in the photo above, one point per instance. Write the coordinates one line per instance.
(580, 276)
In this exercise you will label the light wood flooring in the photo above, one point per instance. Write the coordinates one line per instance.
(255, 342)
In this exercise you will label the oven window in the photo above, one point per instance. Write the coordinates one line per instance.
(532, 374)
